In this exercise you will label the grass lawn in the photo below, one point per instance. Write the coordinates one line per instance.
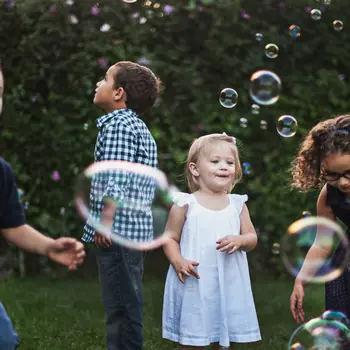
(62, 314)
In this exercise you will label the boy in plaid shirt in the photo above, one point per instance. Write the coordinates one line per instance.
(128, 89)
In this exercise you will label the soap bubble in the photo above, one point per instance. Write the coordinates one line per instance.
(228, 98)
(287, 126)
(246, 168)
(263, 124)
(276, 249)
(259, 36)
(294, 31)
(319, 334)
(129, 194)
(255, 109)
(338, 25)
(271, 51)
(243, 122)
(265, 87)
(316, 14)
(328, 241)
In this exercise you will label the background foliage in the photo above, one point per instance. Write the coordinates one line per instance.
(197, 48)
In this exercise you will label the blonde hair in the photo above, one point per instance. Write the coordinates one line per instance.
(201, 145)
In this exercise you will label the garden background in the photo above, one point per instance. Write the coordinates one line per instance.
(54, 52)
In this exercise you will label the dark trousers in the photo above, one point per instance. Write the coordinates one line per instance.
(120, 274)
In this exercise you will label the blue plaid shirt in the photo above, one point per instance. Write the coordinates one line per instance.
(123, 136)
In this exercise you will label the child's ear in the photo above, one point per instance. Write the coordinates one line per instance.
(119, 94)
(193, 169)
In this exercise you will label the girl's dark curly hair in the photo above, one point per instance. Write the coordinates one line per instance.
(327, 137)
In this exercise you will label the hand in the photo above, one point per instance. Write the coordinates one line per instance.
(107, 219)
(229, 242)
(296, 302)
(186, 267)
(66, 251)
(102, 240)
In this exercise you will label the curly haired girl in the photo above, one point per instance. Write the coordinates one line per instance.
(324, 160)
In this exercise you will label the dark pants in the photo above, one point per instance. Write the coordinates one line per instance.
(120, 274)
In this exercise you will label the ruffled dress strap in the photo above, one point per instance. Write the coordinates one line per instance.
(238, 200)
(181, 198)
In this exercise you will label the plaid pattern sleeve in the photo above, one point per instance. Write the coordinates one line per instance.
(123, 136)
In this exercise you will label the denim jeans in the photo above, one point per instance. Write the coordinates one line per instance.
(8, 337)
(120, 273)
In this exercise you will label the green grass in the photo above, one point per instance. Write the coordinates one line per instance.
(66, 313)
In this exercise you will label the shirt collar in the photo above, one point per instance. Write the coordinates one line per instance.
(115, 114)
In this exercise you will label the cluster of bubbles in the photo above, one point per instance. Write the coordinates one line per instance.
(329, 331)
(20, 194)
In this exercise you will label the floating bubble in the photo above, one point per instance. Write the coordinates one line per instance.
(255, 109)
(271, 51)
(243, 122)
(70, 2)
(128, 192)
(341, 76)
(246, 168)
(86, 126)
(105, 28)
(294, 31)
(336, 316)
(130, 1)
(265, 87)
(316, 14)
(276, 249)
(26, 205)
(287, 126)
(319, 334)
(259, 36)
(338, 25)
(306, 214)
(95, 10)
(324, 236)
(73, 19)
(263, 124)
(228, 98)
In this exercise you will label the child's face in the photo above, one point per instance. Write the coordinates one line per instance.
(106, 95)
(215, 169)
(1, 89)
(336, 168)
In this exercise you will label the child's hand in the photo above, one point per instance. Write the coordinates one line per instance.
(186, 267)
(229, 242)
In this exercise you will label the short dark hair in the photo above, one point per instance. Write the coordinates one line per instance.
(140, 84)
(327, 137)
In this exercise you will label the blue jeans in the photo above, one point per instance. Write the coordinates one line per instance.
(8, 337)
(120, 274)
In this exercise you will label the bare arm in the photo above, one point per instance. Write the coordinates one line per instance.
(174, 225)
(29, 239)
(316, 252)
(248, 234)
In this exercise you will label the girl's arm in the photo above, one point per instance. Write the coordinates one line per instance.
(248, 234)
(176, 220)
(316, 252)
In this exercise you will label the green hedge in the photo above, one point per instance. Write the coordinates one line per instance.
(51, 68)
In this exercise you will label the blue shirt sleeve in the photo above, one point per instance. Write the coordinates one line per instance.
(11, 210)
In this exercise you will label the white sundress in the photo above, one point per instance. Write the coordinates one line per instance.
(218, 307)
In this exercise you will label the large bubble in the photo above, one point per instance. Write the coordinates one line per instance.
(265, 87)
(329, 255)
(134, 199)
(320, 334)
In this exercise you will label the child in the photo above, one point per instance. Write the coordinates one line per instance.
(66, 251)
(127, 90)
(324, 159)
(208, 297)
